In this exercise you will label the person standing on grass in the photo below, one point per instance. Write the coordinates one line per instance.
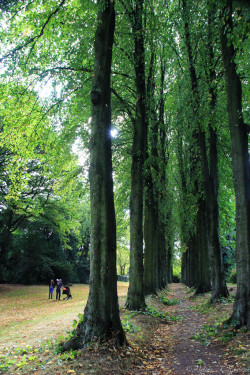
(58, 288)
(51, 288)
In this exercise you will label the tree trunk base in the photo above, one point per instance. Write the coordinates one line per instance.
(73, 343)
(216, 296)
(239, 317)
(201, 289)
(135, 307)
(87, 334)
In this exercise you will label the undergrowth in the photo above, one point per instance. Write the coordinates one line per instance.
(169, 302)
(221, 331)
(152, 311)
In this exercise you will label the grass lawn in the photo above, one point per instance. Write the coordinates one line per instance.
(27, 316)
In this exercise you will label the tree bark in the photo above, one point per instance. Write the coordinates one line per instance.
(151, 227)
(211, 181)
(164, 208)
(135, 297)
(241, 172)
(150, 236)
(199, 254)
(203, 284)
(101, 315)
(5, 244)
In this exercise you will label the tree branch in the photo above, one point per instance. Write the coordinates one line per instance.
(125, 104)
(58, 103)
(35, 38)
(62, 68)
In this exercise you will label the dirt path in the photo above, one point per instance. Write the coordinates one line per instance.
(174, 352)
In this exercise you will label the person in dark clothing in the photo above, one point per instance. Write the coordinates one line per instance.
(51, 288)
(66, 290)
(58, 288)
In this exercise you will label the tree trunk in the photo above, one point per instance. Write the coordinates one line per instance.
(199, 246)
(101, 315)
(203, 278)
(150, 233)
(184, 268)
(151, 228)
(5, 244)
(169, 261)
(219, 288)
(241, 172)
(135, 298)
(211, 181)
(155, 193)
(163, 206)
(9, 225)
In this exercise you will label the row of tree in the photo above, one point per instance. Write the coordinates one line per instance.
(164, 64)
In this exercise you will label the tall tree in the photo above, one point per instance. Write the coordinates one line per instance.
(101, 315)
(165, 209)
(151, 219)
(199, 239)
(135, 298)
(210, 172)
(239, 132)
(208, 209)
(157, 270)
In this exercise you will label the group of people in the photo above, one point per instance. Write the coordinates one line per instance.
(58, 285)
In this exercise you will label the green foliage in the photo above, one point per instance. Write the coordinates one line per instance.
(152, 311)
(200, 362)
(227, 300)
(204, 307)
(42, 100)
(222, 331)
(19, 358)
(233, 277)
(62, 339)
(169, 302)
(176, 278)
(130, 327)
(69, 356)
(122, 259)
(37, 254)
(206, 334)
(42, 192)
(229, 256)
